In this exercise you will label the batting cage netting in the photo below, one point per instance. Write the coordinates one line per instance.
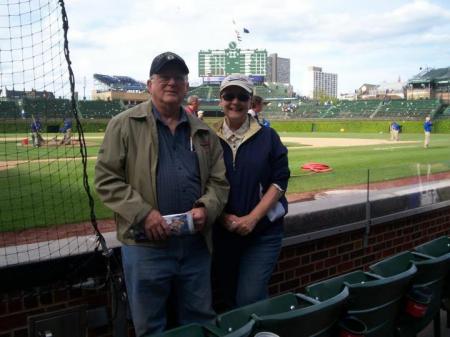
(46, 208)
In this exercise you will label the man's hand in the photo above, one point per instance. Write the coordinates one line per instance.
(200, 217)
(155, 226)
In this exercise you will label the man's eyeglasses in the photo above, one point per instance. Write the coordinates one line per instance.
(230, 96)
(164, 79)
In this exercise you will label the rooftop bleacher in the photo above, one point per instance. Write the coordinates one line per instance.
(121, 83)
(430, 75)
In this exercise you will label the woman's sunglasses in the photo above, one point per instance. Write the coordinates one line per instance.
(230, 96)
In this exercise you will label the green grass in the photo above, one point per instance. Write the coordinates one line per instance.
(351, 164)
(45, 191)
(44, 194)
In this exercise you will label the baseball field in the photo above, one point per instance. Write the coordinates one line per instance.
(43, 186)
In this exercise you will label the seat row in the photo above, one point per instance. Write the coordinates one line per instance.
(398, 297)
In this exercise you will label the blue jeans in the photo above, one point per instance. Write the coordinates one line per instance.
(151, 272)
(244, 265)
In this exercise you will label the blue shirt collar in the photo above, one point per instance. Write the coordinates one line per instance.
(157, 115)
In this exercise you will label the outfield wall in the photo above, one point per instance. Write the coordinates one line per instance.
(363, 126)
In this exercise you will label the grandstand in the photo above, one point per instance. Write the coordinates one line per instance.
(363, 109)
(48, 108)
(9, 109)
(279, 107)
(100, 109)
(206, 92)
(446, 112)
(409, 109)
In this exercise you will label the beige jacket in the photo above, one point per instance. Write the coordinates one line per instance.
(125, 172)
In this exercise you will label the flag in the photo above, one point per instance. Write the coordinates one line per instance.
(238, 35)
(246, 31)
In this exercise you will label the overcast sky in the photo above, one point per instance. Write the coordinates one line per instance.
(362, 42)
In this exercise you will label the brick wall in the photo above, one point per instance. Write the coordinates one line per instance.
(17, 306)
(298, 266)
(309, 262)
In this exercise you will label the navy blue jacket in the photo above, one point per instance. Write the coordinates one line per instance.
(261, 160)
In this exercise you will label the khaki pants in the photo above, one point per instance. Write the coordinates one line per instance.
(427, 139)
(67, 139)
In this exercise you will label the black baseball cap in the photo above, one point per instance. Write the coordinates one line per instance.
(162, 59)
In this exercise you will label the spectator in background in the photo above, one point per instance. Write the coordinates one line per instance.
(247, 238)
(395, 130)
(66, 130)
(36, 129)
(256, 107)
(427, 129)
(256, 110)
(200, 114)
(158, 160)
(193, 103)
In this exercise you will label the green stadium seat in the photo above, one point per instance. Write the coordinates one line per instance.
(286, 315)
(373, 299)
(429, 277)
(435, 248)
(439, 248)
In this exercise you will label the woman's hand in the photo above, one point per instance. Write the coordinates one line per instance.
(229, 221)
(243, 225)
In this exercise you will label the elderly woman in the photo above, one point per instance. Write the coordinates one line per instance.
(247, 239)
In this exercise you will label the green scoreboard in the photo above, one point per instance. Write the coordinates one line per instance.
(219, 63)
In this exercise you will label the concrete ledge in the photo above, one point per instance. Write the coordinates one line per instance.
(343, 211)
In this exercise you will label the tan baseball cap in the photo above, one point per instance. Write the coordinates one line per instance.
(237, 80)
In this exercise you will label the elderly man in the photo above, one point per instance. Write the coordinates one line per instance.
(156, 160)
(192, 105)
